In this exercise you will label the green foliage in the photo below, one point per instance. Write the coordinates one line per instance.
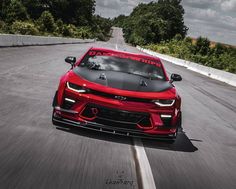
(101, 28)
(202, 46)
(24, 28)
(153, 22)
(188, 40)
(70, 18)
(46, 22)
(15, 11)
(36, 7)
(119, 21)
(70, 31)
(219, 56)
(178, 37)
(219, 49)
(59, 27)
(76, 12)
(84, 32)
(2, 26)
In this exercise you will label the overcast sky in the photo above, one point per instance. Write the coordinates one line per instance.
(215, 19)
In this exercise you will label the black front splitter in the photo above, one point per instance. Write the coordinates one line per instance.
(58, 121)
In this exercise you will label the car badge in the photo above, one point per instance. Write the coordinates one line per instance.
(120, 97)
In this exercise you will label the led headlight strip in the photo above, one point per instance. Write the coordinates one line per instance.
(164, 103)
(75, 88)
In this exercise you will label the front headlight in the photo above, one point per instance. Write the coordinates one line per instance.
(164, 103)
(75, 88)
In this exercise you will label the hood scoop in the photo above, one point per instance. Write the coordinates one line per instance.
(143, 83)
(103, 76)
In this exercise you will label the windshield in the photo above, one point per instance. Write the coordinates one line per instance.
(122, 63)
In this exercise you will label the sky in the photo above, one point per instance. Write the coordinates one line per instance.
(215, 19)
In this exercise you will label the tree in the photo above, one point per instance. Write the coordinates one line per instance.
(25, 28)
(3, 6)
(178, 37)
(119, 20)
(77, 12)
(75, 18)
(219, 49)
(35, 7)
(173, 11)
(154, 22)
(46, 22)
(202, 46)
(16, 11)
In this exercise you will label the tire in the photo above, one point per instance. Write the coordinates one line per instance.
(179, 123)
(178, 129)
(54, 102)
(54, 122)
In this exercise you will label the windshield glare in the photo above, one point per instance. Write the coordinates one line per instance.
(151, 69)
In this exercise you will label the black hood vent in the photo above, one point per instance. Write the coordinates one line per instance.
(103, 76)
(143, 83)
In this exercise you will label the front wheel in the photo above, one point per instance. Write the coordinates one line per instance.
(54, 102)
(178, 129)
(179, 124)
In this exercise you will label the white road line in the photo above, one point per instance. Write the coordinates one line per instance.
(144, 166)
(116, 47)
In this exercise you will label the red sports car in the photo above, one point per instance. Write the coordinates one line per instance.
(120, 93)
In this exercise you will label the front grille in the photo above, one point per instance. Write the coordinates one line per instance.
(116, 118)
(108, 95)
(121, 116)
(116, 124)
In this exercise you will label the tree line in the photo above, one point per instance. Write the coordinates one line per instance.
(201, 51)
(69, 18)
(153, 22)
(160, 26)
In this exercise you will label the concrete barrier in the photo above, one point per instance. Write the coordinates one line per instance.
(220, 75)
(9, 40)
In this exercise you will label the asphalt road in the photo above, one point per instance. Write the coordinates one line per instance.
(33, 154)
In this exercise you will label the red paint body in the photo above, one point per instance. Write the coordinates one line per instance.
(156, 126)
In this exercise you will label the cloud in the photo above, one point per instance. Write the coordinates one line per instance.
(229, 5)
(203, 4)
(108, 8)
(209, 19)
(215, 19)
(108, 4)
(203, 14)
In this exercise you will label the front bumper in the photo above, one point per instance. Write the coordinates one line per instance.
(108, 129)
(63, 116)
(97, 112)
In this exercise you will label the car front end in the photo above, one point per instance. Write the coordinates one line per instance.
(84, 103)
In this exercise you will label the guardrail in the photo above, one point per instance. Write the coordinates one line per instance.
(10, 40)
(213, 73)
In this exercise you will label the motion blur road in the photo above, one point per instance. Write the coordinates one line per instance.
(34, 154)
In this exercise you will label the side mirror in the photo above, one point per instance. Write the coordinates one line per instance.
(71, 60)
(175, 77)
